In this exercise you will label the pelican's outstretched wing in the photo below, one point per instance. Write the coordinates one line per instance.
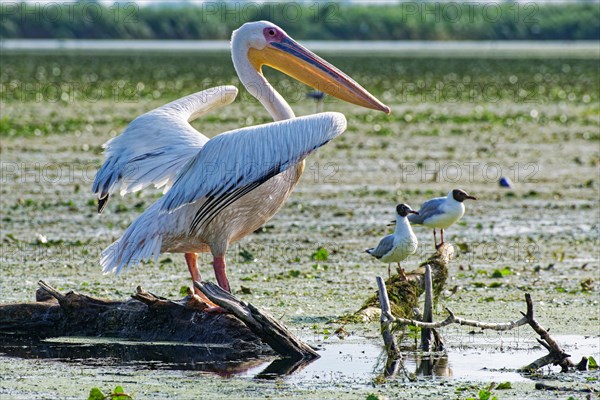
(156, 145)
(236, 162)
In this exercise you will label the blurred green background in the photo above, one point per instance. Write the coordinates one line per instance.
(506, 20)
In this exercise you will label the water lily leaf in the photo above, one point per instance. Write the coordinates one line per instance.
(96, 394)
(320, 255)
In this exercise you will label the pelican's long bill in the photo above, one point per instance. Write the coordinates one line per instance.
(293, 59)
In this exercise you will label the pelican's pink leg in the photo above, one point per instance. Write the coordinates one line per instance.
(220, 273)
(191, 260)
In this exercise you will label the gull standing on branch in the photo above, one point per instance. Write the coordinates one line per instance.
(442, 212)
(400, 244)
(219, 190)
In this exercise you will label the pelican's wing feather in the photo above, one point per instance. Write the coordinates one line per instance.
(157, 144)
(427, 210)
(235, 162)
(385, 246)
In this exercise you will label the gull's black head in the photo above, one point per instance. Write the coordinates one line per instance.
(404, 209)
(460, 195)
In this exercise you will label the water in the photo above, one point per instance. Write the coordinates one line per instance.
(351, 361)
(488, 49)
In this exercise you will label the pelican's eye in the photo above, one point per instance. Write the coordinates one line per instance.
(272, 35)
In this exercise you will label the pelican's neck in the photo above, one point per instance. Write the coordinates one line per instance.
(257, 84)
(402, 225)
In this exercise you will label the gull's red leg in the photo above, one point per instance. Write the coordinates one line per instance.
(402, 273)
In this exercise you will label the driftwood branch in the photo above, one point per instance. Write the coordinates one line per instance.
(262, 324)
(394, 356)
(392, 349)
(452, 319)
(427, 333)
(403, 294)
(555, 356)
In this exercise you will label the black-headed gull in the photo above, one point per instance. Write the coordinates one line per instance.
(442, 212)
(400, 244)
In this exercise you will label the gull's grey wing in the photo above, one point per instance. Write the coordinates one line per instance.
(385, 246)
(427, 210)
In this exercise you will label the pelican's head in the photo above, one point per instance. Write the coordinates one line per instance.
(268, 44)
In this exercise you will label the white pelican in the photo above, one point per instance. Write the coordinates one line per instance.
(222, 189)
(441, 212)
(400, 244)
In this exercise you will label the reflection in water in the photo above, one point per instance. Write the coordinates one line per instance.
(425, 364)
(434, 364)
(218, 359)
(392, 367)
(354, 360)
(221, 360)
(283, 367)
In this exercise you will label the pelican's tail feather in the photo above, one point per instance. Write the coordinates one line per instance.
(138, 244)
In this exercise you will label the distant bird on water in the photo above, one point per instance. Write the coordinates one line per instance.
(505, 182)
(319, 97)
(442, 212)
(400, 244)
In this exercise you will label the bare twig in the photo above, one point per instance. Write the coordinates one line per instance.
(556, 354)
(50, 290)
(452, 319)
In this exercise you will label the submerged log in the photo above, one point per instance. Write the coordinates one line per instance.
(146, 317)
(404, 293)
